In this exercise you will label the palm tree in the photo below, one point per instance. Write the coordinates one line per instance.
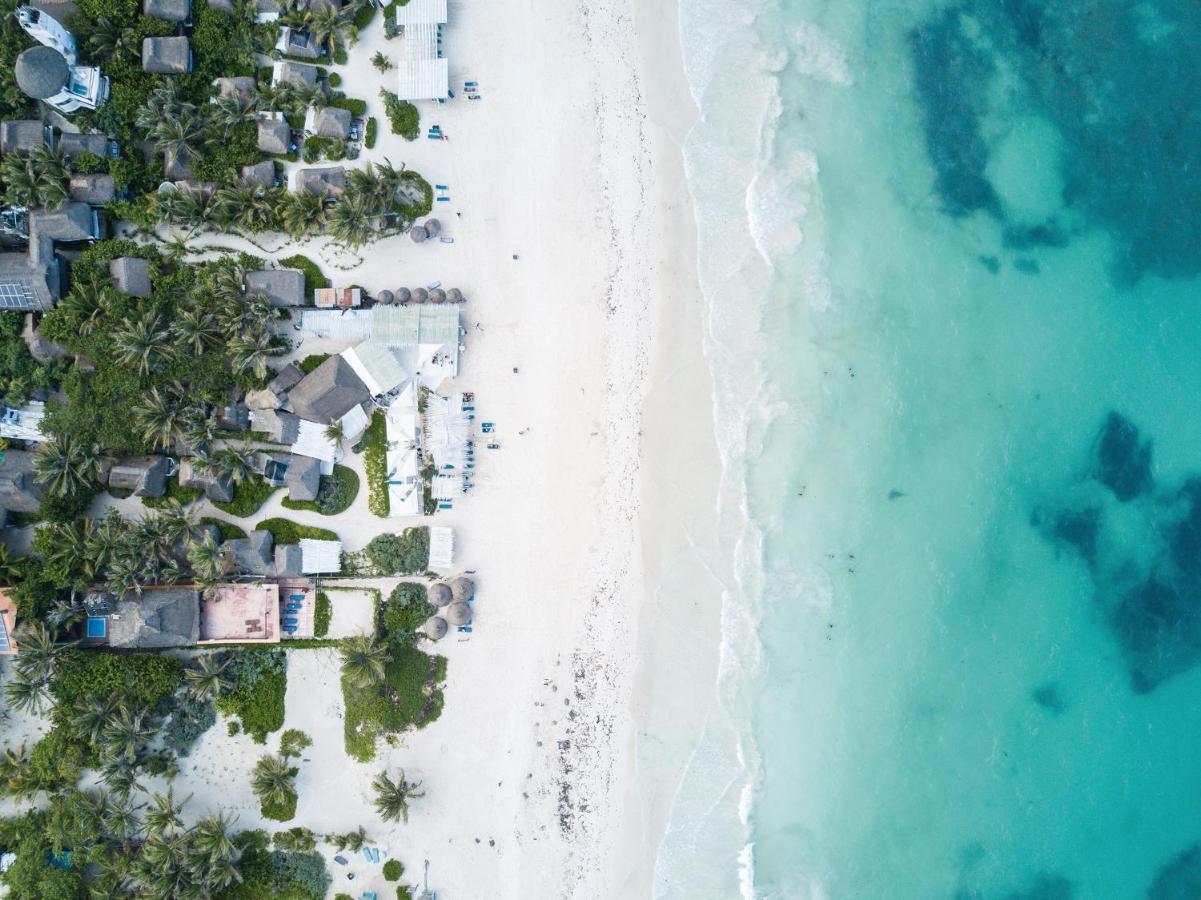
(52, 177)
(26, 696)
(301, 213)
(112, 39)
(38, 653)
(126, 732)
(333, 432)
(214, 855)
(226, 112)
(207, 560)
(364, 660)
(164, 813)
(105, 539)
(381, 62)
(63, 465)
(206, 681)
(20, 180)
(350, 221)
(92, 716)
(11, 567)
(247, 208)
(119, 778)
(327, 23)
(177, 521)
(249, 353)
(142, 343)
(159, 417)
(180, 136)
(196, 330)
(392, 797)
(272, 781)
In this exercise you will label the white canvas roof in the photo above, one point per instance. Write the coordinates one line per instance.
(421, 12)
(354, 422)
(447, 431)
(442, 547)
(311, 441)
(318, 557)
(378, 366)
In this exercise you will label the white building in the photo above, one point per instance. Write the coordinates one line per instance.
(422, 72)
(51, 73)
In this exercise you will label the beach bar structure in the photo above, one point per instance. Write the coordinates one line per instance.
(422, 72)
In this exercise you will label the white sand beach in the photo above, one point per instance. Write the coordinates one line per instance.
(572, 707)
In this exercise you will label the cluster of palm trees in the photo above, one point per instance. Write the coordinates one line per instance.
(37, 179)
(28, 691)
(330, 25)
(374, 191)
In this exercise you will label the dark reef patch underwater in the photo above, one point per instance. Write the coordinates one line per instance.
(1099, 72)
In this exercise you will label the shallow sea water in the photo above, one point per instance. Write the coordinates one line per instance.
(968, 430)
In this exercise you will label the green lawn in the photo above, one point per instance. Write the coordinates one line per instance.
(249, 497)
(286, 531)
(229, 531)
(375, 462)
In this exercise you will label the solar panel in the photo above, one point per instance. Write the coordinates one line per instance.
(4, 644)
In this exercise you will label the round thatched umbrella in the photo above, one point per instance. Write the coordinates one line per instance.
(433, 227)
(463, 588)
(403, 295)
(417, 233)
(437, 295)
(420, 295)
(385, 297)
(458, 613)
(435, 628)
(454, 295)
(440, 594)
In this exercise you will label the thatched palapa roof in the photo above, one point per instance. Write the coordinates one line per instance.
(463, 588)
(440, 594)
(435, 628)
(458, 613)
(166, 55)
(41, 72)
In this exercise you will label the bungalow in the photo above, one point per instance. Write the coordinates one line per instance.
(234, 417)
(33, 280)
(294, 42)
(251, 555)
(71, 145)
(240, 87)
(171, 10)
(19, 491)
(301, 474)
(325, 182)
(159, 617)
(261, 174)
(275, 425)
(331, 122)
(275, 136)
(143, 476)
(300, 75)
(329, 392)
(131, 275)
(281, 287)
(166, 55)
(22, 136)
(96, 189)
(215, 487)
(264, 10)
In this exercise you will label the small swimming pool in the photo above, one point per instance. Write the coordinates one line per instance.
(97, 627)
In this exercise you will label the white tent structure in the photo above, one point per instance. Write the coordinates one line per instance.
(422, 73)
(419, 341)
(320, 557)
(24, 424)
(447, 431)
(406, 495)
(442, 547)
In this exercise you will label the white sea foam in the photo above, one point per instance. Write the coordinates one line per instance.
(819, 56)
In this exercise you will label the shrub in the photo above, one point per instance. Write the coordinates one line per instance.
(402, 116)
(403, 892)
(55, 762)
(312, 361)
(372, 131)
(356, 106)
(190, 719)
(408, 698)
(229, 531)
(340, 57)
(322, 615)
(406, 610)
(258, 686)
(335, 80)
(249, 497)
(364, 16)
(335, 495)
(173, 492)
(88, 163)
(313, 277)
(288, 532)
(393, 870)
(375, 463)
(298, 840)
(284, 811)
(143, 679)
(293, 742)
(403, 554)
(65, 507)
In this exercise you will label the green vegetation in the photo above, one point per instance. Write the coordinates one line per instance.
(19, 372)
(404, 554)
(375, 463)
(249, 497)
(317, 147)
(278, 874)
(293, 742)
(372, 133)
(392, 796)
(402, 116)
(287, 532)
(313, 276)
(173, 494)
(407, 609)
(322, 615)
(364, 16)
(257, 684)
(311, 362)
(381, 62)
(393, 870)
(408, 696)
(274, 785)
(298, 839)
(335, 495)
(229, 531)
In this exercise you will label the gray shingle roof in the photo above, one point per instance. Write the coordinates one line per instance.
(280, 427)
(146, 476)
(214, 487)
(161, 617)
(253, 554)
(21, 136)
(171, 10)
(288, 560)
(328, 392)
(261, 174)
(96, 189)
(71, 145)
(131, 274)
(282, 287)
(41, 72)
(166, 55)
(289, 376)
(303, 477)
(70, 222)
(332, 122)
(240, 86)
(299, 74)
(275, 136)
(330, 181)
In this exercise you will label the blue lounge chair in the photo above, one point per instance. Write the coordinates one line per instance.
(293, 622)
(444, 506)
(367, 855)
(466, 629)
(289, 629)
(468, 84)
(442, 187)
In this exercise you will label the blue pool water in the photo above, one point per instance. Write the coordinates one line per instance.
(957, 366)
(97, 627)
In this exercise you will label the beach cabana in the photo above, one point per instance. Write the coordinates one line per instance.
(435, 628)
(385, 296)
(463, 589)
(433, 227)
(275, 136)
(437, 295)
(440, 594)
(458, 613)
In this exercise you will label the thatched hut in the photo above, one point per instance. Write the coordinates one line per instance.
(417, 233)
(385, 297)
(440, 594)
(458, 613)
(454, 295)
(403, 295)
(420, 295)
(435, 628)
(463, 589)
(437, 295)
(433, 227)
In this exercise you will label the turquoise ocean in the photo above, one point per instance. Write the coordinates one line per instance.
(951, 254)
